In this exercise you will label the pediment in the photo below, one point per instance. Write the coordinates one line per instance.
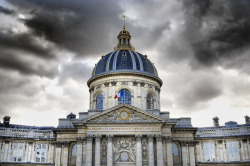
(124, 113)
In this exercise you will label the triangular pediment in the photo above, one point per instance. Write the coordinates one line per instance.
(124, 113)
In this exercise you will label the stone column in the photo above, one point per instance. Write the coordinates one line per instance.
(58, 154)
(159, 150)
(110, 151)
(98, 150)
(79, 147)
(138, 150)
(89, 151)
(151, 150)
(84, 147)
(184, 154)
(198, 151)
(2, 151)
(33, 152)
(51, 152)
(168, 141)
(225, 155)
(6, 150)
(65, 153)
(191, 153)
(30, 145)
(9, 152)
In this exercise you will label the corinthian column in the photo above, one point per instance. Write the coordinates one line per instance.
(89, 151)
(79, 150)
(169, 151)
(191, 153)
(159, 150)
(184, 153)
(151, 150)
(110, 151)
(98, 150)
(138, 150)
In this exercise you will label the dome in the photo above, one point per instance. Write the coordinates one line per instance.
(124, 60)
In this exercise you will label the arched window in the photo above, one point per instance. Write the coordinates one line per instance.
(150, 101)
(126, 98)
(99, 102)
(176, 154)
(73, 153)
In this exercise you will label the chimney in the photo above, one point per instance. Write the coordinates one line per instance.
(216, 122)
(6, 121)
(247, 120)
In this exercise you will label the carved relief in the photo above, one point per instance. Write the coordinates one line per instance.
(144, 149)
(124, 149)
(104, 149)
(116, 116)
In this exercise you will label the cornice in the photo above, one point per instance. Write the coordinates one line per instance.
(125, 73)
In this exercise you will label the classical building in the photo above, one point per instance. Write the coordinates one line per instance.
(129, 130)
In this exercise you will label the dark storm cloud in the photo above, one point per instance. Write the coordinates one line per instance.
(24, 42)
(199, 91)
(25, 54)
(223, 28)
(77, 71)
(7, 11)
(79, 26)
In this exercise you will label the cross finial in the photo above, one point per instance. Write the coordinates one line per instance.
(124, 20)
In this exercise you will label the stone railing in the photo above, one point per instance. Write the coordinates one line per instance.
(26, 133)
(218, 132)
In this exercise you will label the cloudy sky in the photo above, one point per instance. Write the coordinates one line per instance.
(200, 48)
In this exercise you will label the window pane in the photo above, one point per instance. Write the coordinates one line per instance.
(150, 101)
(174, 150)
(74, 150)
(126, 98)
(99, 102)
(209, 151)
(233, 151)
(44, 146)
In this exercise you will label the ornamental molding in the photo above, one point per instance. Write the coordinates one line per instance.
(125, 73)
(133, 115)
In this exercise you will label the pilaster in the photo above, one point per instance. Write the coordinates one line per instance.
(168, 141)
(97, 150)
(151, 150)
(110, 150)
(159, 150)
(184, 153)
(138, 150)
(89, 151)
(79, 151)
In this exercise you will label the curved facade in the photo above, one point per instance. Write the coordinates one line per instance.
(124, 68)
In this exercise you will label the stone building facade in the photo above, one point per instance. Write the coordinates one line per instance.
(124, 125)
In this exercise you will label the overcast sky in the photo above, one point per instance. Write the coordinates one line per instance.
(48, 49)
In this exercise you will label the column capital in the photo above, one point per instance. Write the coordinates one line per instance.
(150, 137)
(80, 139)
(89, 138)
(192, 143)
(110, 137)
(167, 139)
(98, 137)
(158, 138)
(138, 137)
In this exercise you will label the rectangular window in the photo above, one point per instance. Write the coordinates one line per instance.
(209, 151)
(41, 150)
(233, 151)
(17, 154)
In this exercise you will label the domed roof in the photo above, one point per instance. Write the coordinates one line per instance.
(124, 60)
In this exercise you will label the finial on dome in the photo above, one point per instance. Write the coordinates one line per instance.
(124, 28)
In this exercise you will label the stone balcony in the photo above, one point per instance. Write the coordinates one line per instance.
(223, 132)
(26, 133)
